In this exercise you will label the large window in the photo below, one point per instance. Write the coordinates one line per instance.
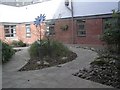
(81, 28)
(28, 31)
(10, 30)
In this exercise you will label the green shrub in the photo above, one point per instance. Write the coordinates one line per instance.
(34, 51)
(58, 49)
(48, 48)
(111, 33)
(7, 52)
(21, 44)
(18, 44)
(14, 43)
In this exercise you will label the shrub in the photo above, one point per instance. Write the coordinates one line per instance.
(21, 44)
(48, 48)
(58, 49)
(111, 34)
(34, 49)
(7, 52)
(18, 44)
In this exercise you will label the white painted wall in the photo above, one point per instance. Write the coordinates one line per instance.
(55, 9)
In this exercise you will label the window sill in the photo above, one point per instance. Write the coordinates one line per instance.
(12, 38)
(28, 37)
(81, 36)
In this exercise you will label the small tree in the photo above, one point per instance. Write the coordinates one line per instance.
(111, 34)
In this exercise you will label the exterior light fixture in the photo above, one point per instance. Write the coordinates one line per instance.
(66, 2)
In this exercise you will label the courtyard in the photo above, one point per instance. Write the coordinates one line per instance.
(52, 77)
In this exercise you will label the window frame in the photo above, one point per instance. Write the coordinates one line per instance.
(28, 33)
(81, 32)
(52, 31)
(11, 31)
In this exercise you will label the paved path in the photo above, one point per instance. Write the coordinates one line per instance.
(53, 77)
(0, 76)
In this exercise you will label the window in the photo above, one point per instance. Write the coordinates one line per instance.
(28, 31)
(81, 28)
(51, 30)
(10, 30)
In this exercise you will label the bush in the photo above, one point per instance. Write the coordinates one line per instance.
(18, 44)
(48, 48)
(34, 49)
(7, 52)
(58, 49)
(111, 34)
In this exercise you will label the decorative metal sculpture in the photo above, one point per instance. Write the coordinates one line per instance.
(38, 21)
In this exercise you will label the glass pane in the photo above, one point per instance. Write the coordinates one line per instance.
(7, 35)
(82, 32)
(81, 27)
(14, 34)
(7, 31)
(6, 27)
(11, 30)
(14, 31)
(28, 30)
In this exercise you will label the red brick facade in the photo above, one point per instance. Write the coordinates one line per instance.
(63, 36)
(21, 33)
(93, 27)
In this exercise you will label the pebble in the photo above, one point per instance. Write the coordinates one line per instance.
(63, 58)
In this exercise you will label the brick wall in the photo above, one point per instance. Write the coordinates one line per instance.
(2, 36)
(21, 33)
(61, 35)
(93, 32)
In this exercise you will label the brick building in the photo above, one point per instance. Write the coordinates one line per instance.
(77, 22)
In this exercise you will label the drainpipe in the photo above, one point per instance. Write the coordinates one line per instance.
(73, 38)
(72, 23)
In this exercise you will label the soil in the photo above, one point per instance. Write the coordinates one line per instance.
(35, 63)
